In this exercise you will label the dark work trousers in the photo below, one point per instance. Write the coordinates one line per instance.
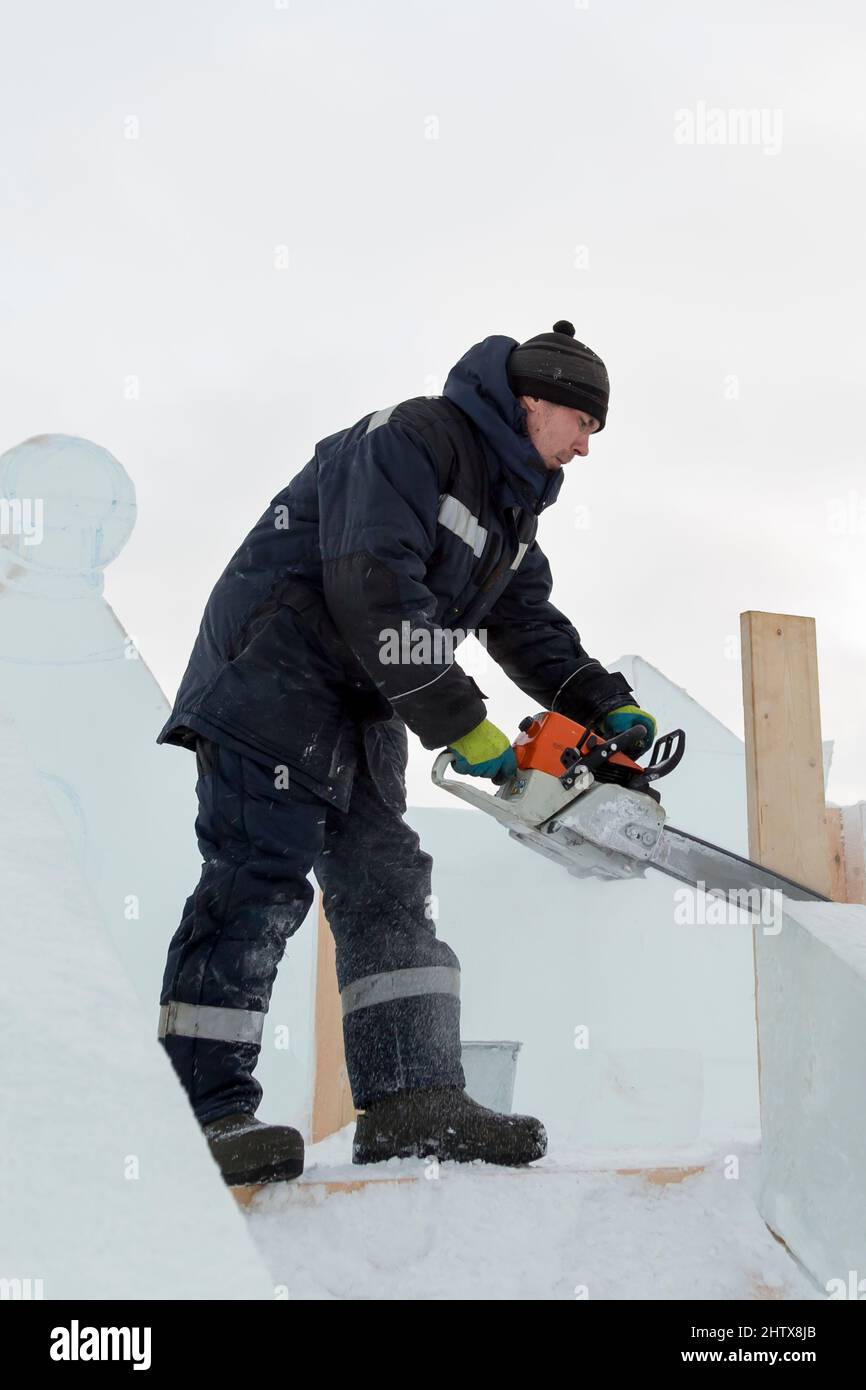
(399, 983)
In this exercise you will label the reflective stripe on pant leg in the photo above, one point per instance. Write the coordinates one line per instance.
(206, 1021)
(258, 843)
(399, 984)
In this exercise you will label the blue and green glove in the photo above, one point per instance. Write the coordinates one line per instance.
(616, 721)
(484, 752)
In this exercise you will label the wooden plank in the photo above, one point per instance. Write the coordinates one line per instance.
(312, 1189)
(854, 838)
(660, 1177)
(836, 854)
(245, 1195)
(332, 1096)
(784, 759)
(762, 1290)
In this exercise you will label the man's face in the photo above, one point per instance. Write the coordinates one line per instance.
(558, 431)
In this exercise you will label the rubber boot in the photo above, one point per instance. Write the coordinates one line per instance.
(249, 1151)
(445, 1123)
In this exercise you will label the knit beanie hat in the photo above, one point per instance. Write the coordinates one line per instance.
(556, 367)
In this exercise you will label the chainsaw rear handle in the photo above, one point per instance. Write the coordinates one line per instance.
(666, 754)
(467, 791)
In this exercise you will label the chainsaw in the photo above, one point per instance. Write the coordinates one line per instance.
(582, 801)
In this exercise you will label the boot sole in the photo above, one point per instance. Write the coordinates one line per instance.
(361, 1157)
(282, 1172)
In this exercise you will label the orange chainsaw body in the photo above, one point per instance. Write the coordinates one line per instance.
(541, 745)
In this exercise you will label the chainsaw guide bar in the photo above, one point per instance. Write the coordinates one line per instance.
(582, 801)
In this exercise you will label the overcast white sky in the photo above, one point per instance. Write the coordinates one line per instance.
(722, 284)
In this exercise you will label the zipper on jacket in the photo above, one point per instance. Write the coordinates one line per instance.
(506, 564)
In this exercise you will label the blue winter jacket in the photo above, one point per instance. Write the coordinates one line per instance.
(335, 613)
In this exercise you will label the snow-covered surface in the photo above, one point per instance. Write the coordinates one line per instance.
(812, 984)
(108, 1189)
(475, 1232)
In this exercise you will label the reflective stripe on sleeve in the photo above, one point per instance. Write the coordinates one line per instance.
(380, 417)
(457, 518)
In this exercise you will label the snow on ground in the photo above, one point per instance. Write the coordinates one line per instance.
(478, 1232)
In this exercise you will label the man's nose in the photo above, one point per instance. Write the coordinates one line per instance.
(582, 447)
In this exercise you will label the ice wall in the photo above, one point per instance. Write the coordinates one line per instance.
(812, 1011)
(108, 1189)
(637, 1028)
(88, 711)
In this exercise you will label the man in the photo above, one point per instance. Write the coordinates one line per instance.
(422, 514)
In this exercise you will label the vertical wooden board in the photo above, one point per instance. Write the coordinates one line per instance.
(854, 838)
(332, 1096)
(784, 762)
(836, 853)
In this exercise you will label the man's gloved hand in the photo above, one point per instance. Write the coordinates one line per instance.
(484, 752)
(616, 721)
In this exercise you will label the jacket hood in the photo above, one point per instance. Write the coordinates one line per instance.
(479, 385)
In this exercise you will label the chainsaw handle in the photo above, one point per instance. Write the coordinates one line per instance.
(629, 741)
(440, 767)
(600, 752)
(667, 753)
(485, 801)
